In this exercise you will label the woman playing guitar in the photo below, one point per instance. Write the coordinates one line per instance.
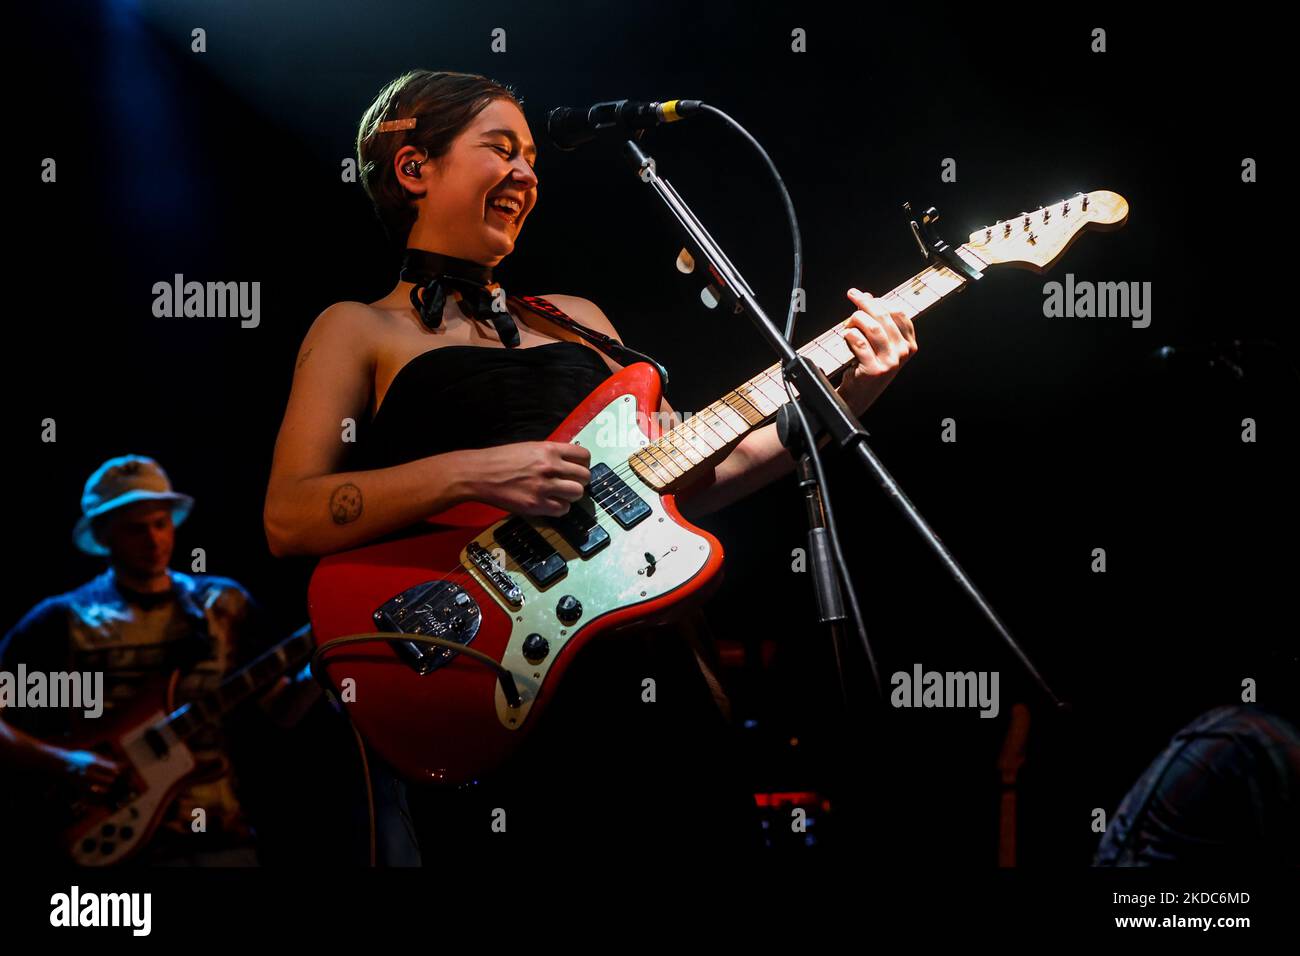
(452, 400)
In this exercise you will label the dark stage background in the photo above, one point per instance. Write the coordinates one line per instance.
(226, 166)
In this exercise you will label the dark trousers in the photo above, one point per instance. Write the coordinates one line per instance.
(603, 773)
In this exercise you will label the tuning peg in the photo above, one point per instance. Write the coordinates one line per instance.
(710, 296)
(685, 262)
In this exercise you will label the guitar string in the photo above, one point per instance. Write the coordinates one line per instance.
(624, 470)
(692, 429)
(771, 377)
(661, 458)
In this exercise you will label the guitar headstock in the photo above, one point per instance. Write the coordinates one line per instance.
(1035, 240)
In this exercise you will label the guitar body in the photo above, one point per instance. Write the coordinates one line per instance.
(157, 766)
(437, 715)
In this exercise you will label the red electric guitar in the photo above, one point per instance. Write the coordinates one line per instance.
(522, 595)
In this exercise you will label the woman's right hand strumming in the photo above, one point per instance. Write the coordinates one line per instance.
(529, 478)
(313, 507)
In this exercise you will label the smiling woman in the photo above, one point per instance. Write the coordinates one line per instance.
(454, 391)
(419, 118)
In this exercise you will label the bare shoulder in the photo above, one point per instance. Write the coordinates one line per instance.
(586, 312)
(350, 326)
(347, 318)
(345, 336)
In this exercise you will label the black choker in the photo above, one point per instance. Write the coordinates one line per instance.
(435, 275)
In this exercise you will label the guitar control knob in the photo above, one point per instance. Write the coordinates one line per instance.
(569, 609)
(536, 648)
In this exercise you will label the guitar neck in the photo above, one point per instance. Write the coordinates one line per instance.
(241, 685)
(675, 458)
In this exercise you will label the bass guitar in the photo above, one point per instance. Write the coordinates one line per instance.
(149, 742)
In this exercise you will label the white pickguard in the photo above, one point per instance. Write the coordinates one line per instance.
(158, 773)
(617, 576)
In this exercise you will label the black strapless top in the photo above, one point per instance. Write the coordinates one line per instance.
(477, 396)
(472, 396)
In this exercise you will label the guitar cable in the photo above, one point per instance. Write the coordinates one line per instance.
(370, 787)
(504, 675)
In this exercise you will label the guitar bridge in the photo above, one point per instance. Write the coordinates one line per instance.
(437, 609)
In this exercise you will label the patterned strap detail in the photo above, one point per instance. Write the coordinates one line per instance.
(620, 353)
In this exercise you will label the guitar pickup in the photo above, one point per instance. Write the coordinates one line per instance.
(154, 739)
(617, 497)
(542, 563)
(579, 528)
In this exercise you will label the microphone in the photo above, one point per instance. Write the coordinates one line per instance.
(569, 128)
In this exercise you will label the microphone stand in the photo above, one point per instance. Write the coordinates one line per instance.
(817, 395)
(821, 559)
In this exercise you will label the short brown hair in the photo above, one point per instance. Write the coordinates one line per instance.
(444, 103)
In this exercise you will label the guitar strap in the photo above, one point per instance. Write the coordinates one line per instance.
(434, 276)
(619, 352)
(198, 644)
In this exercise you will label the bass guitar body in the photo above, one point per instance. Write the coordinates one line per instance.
(529, 592)
(157, 765)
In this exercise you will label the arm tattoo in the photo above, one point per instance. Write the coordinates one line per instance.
(303, 359)
(345, 503)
